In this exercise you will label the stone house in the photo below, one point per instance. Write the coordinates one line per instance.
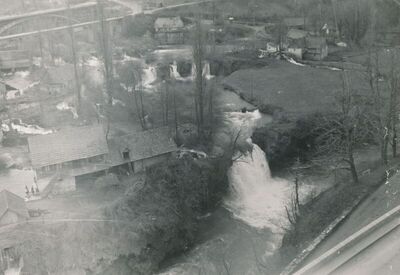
(316, 48)
(143, 149)
(12, 208)
(169, 30)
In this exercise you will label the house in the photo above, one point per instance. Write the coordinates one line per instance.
(59, 79)
(15, 59)
(316, 48)
(15, 87)
(295, 22)
(143, 149)
(296, 42)
(169, 30)
(12, 208)
(69, 152)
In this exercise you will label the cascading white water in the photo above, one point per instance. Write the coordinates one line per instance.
(207, 71)
(254, 196)
(149, 76)
(193, 71)
(174, 71)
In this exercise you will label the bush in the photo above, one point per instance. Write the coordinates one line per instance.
(183, 189)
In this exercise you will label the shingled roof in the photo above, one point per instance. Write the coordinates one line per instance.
(147, 144)
(10, 201)
(67, 145)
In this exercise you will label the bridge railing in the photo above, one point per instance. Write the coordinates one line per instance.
(351, 246)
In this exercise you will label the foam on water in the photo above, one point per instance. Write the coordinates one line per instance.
(255, 197)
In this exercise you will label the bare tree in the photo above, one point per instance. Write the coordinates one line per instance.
(340, 133)
(74, 59)
(384, 87)
(198, 58)
(130, 76)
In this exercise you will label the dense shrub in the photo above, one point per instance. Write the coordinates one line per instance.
(164, 210)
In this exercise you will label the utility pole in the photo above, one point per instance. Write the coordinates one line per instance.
(77, 80)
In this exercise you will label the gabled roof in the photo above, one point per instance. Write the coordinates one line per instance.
(168, 23)
(67, 145)
(12, 202)
(147, 144)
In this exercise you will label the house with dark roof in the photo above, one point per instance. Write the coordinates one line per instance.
(316, 48)
(140, 150)
(12, 208)
(69, 152)
(169, 30)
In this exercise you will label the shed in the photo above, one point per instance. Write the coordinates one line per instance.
(12, 208)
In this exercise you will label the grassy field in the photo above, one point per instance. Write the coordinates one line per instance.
(297, 89)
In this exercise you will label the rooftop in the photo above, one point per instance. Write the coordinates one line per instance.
(10, 201)
(147, 144)
(67, 145)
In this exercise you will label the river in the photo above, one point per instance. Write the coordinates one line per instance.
(243, 234)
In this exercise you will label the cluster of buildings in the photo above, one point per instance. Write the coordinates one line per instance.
(300, 43)
(72, 155)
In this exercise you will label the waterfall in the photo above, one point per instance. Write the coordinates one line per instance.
(207, 71)
(149, 76)
(193, 72)
(255, 197)
(174, 74)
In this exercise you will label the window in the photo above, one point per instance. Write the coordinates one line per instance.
(125, 154)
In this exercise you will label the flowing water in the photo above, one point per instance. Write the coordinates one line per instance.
(149, 76)
(254, 196)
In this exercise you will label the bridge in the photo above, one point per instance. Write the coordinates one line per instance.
(77, 16)
(374, 249)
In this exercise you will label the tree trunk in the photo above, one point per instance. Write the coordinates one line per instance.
(353, 169)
